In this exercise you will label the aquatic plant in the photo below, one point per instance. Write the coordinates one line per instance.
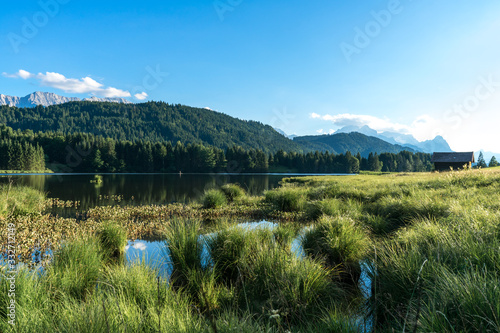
(213, 199)
(113, 239)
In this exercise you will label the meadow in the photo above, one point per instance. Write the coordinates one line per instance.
(428, 243)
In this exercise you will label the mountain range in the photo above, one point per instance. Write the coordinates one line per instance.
(405, 140)
(158, 121)
(47, 99)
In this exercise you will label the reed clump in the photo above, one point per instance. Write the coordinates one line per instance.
(214, 198)
(287, 199)
(233, 192)
(113, 239)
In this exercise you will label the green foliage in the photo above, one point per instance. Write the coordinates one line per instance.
(354, 142)
(317, 209)
(152, 121)
(20, 201)
(337, 240)
(481, 163)
(113, 239)
(287, 199)
(213, 199)
(75, 269)
(184, 248)
(294, 288)
(85, 152)
(493, 162)
(232, 192)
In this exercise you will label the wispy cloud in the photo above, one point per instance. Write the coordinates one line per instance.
(85, 85)
(20, 74)
(378, 124)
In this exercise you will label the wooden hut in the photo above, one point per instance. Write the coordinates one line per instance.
(452, 161)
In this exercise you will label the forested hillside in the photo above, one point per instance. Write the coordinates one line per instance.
(354, 142)
(153, 121)
(85, 152)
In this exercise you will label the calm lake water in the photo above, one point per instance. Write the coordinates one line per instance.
(140, 189)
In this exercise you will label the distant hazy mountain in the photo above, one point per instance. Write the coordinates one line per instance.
(405, 140)
(284, 134)
(354, 142)
(47, 99)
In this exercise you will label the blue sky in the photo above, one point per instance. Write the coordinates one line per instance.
(422, 67)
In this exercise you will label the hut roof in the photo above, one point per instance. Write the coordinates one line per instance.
(464, 157)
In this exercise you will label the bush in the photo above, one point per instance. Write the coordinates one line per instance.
(214, 198)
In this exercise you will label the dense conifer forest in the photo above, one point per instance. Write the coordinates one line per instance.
(82, 152)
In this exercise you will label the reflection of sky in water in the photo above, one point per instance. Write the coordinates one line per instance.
(156, 254)
(153, 254)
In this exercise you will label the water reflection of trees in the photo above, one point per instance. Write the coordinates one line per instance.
(140, 189)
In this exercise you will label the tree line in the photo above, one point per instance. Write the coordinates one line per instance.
(152, 121)
(83, 152)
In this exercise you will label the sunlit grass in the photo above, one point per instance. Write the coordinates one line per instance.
(431, 242)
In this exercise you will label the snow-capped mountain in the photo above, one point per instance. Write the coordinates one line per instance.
(405, 140)
(46, 99)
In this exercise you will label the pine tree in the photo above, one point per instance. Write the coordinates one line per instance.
(493, 162)
(481, 163)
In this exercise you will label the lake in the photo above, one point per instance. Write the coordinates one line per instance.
(140, 189)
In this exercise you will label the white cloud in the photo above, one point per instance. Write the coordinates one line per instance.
(142, 96)
(84, 85)
(20, 74)
(141, 246)
(378, 124)
(320, 131)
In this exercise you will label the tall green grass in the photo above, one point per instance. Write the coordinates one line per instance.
(339, 242)
(287, 199)
(213, 199)
(20, 201)
(75, 269)
(112, 239)
(233, 192)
